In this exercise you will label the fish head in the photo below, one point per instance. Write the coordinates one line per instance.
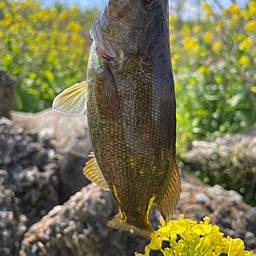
(124, 27)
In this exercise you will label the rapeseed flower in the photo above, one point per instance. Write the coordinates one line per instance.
(246, 44)
(246, 15)
(244, 61)
(250, 26)
(190, 44)
(196, 239)
(252, 8)
(196, 29)
(173, 18)
(175, 58)
(216, 46)
(185, 30)
(203, 69)
(73, 25)
(208, 36)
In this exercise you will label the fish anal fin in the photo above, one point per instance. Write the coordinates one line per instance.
(120, 223)
(93, 173)
(73, 100)
(168, 202)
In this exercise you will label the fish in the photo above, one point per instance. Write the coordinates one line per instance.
(129, 96)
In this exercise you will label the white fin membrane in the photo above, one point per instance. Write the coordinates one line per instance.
(73, 100)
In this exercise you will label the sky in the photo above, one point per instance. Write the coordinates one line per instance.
(101, 3)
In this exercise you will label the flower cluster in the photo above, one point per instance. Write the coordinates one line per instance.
(195, 239)
(44, 46)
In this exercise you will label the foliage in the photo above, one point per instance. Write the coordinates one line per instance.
(233, 170)
(214, 60)
(196, 239)
(43, 48)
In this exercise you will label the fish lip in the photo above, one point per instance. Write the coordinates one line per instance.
(104, 54)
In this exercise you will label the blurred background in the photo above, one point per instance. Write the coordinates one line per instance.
(45, 45)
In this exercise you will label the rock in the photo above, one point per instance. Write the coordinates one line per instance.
(13, 146)
(70, 137)
(228, 161)
(236, 220)
(7, 94)
(28, 184)
(78, 228)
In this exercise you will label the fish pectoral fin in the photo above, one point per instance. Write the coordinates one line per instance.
(168, 202)
(72, 101)
(93, 173)
(120, 223)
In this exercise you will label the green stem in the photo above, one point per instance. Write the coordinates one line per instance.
(207, 249)
(201, 246)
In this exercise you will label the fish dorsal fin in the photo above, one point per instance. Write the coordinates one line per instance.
(93, 173)
(119, 223)
(73, 100)
(168, 202)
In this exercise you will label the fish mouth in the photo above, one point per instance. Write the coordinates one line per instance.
(104, 55)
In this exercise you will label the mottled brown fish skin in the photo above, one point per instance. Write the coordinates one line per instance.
(131, 107)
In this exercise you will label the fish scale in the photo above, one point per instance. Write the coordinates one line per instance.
(130, 100)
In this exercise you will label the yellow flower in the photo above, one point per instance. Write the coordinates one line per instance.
(253, 88)
(196, 29)
(63, 15)
(245, 14)
(252, 7)
(250, 26)
(203, 69)
(77, 38)
(216, 46)
(74, 9)
(240, 37)
(185, 30)
(190, 44)
(234, 20)
(173, 18)
(208, 36)
(205, 5)
(73, 25)
(175, 58)
(232, 9)
(8, 58)
(244, 61)
(2, 5)
(218, 28)
(236, 247)
(246, 44)
(172, 37)
(207, 9)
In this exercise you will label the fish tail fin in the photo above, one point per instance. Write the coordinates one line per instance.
(120, 223)
(168, 202)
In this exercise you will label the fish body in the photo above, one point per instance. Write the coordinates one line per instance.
(131, 111)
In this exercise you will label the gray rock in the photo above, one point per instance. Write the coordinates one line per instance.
(28, 184)
(202, 198)
(70, 136)
(7, 93)
(78, 228)
(237, 220)
(13, 145)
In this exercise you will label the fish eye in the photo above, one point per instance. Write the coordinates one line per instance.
(150, 4)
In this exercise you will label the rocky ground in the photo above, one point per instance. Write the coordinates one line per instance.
(34, 222)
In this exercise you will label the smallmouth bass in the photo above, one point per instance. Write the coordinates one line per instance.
(130, 101)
